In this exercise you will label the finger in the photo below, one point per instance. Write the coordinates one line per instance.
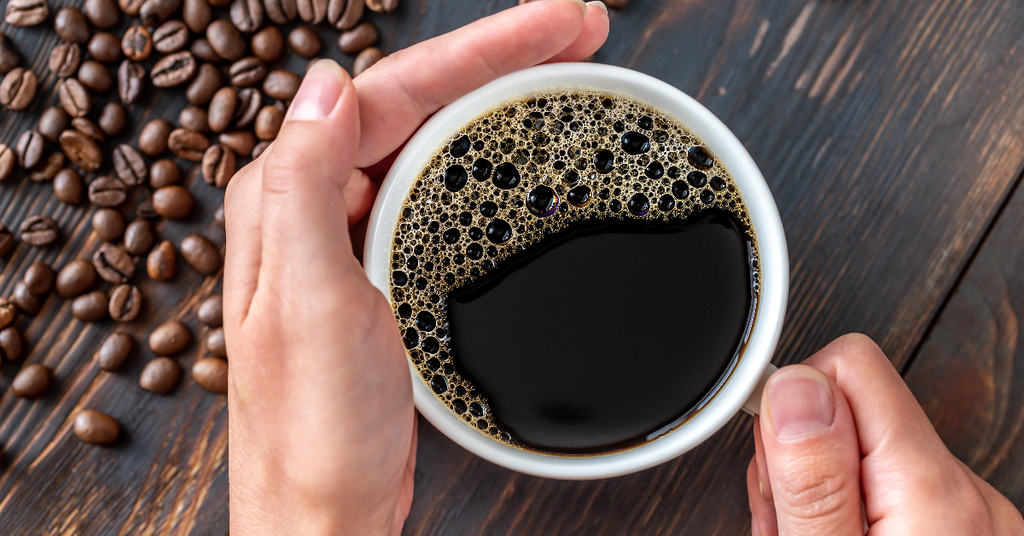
(810, 444)
(359, 195)
(763, 521)
(1007, 518)
(764, 482)
(405, 88)
(242, 228)
(594, 34)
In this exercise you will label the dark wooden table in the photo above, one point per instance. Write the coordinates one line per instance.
(892, 136)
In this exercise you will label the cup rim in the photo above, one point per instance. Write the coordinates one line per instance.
(770, 309)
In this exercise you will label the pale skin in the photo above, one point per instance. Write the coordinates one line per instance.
(322, 425)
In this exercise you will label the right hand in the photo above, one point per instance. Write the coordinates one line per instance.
(843, 428)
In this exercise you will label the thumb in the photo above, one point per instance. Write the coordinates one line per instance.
(813, 457)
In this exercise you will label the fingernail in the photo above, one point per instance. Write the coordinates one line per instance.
(318, 93)
(599, 4)
(754, 529)
(799, 403)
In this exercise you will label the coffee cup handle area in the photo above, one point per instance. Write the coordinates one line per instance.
(753, 403)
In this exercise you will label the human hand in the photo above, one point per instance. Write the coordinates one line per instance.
(321, 420)
(843, 427)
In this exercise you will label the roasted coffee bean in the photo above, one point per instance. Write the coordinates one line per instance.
(153, 138)
(139, 237)
(29, 304)
(281, 11)
(131, 7)
(96, 428)
(197, 15)
(357, 39)
(12, 343)
(313, 11)
(6, 240)
(174, 69)
(201, 254)
(129, 165)
(173, 202)
(206, 83)
(114, 351)
(68, 187)
(192, 118)
(267, 44)
(211, 374)
(170, 338)
(382, 6)
(52, 122)
(281, 84)
(7, 313)
(74, 98)
(71, 26)
(304, 41)
(188, 144)
(108, 224)
(344, 14)
(249, 103)
(81, 150)
(113, 264)
(88, 128)
(107, 192)
(105, 47)
(247, 71)
(247, 15)
(125, 303)
(162, 262)
(29, 149)
(9, 55)
(225, 40)
(366, 59)
(39, 230)
(203, 51)
(239, 141)
(48, 168)
(65, 59)
(39, 278)
(8, 158)
(26, 12)
(145, 209)
(154, 12)
(32, 381)
(75, 278)
(94, 76)
(163, 173)
(218, 165)
(18, 88)
(131, 78)
(113, 119)
(259, 148)
(160, 375)
(171, 36)
(137, 43)
(103, 14)
(215, 343)
(268, 123)
(91, 306)
(211, 311)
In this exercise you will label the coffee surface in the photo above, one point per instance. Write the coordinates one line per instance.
(574, 273)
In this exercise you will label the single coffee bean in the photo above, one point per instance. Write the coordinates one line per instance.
(7, 312)
(52, 122)
(137, 43)
(6, 240)
(267, 44)
(30, 149)
(154, 12)
(145, 209)
(211, 374)
(113, 264)
(103, 14)
(259, 148)
(71, 26)
(81, 150)
(108, 224)
(197, 15)
(247, 71)
(206, 83)
(96, 428)
(203, 50)
(65, 59)
(201, 254)
(304, 41)
(107, 192)
(358, 39)
(170, 338)
(129, 165)
(247, 15)
(47, 168)
(215, 343)
(225, 40)
(29, 304)
(91, 306)
(192, 118)
(114, 351)
(26, 12)
(39, 230)
(113, 119)
(174, 69)
(188, 144)
(163, 173)
(268, 123)
(218, 165)
(281, 84)
(173, 202)
(105, 47)
(12, 343)
(131, 78)
(8, 158)
(281, 11)
(88, 128)
(153, 138)
(382, 6)
(239, 141)
(125, 303)
(313, 11)
(344, 14)
(39, 278)
(74, 98)
(211, 311)
(139, 237)
(160, 375)
(32, 381)
(171, 36)
(162, 262)
(94, 76)
(75, 278)
(18, 88)
(249, 103)
(366, 59)
(68, 187)
(10, 57)
(130, 7)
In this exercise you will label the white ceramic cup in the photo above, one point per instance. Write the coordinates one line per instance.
(741, 389)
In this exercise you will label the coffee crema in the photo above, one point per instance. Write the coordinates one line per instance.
(574, 273)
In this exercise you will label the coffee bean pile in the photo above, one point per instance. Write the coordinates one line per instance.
(113, 57)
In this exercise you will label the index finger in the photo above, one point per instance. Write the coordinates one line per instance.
(402, 90)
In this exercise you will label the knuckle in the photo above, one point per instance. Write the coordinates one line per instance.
(814, 489)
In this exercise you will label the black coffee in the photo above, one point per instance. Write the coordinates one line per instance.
(574, 273)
